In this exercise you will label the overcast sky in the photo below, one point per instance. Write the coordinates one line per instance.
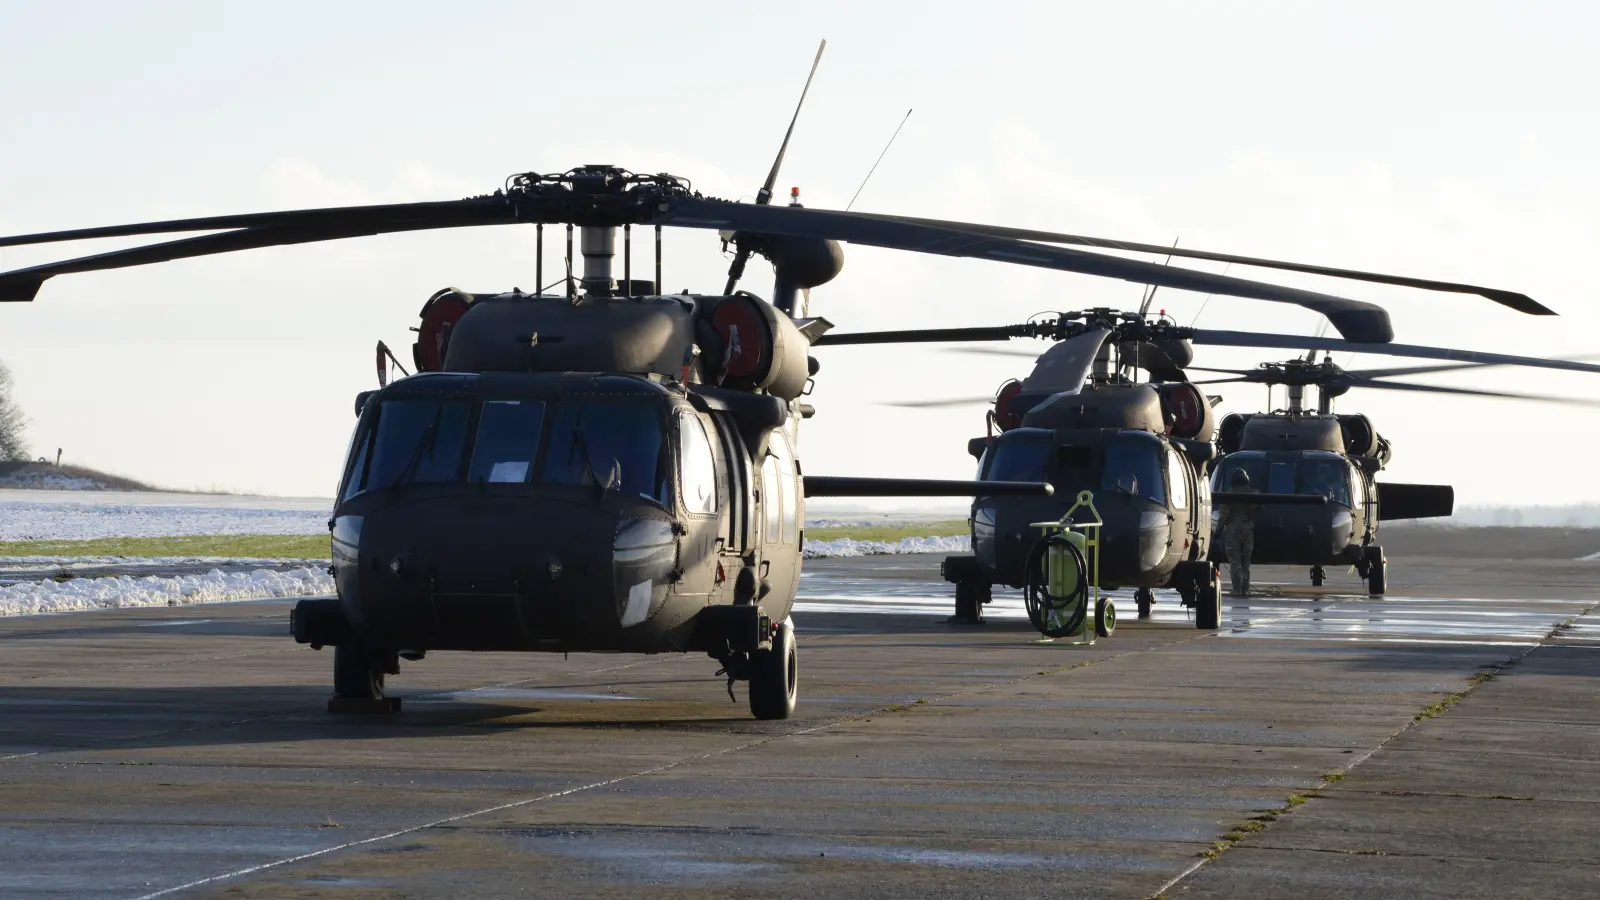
(1443, 140)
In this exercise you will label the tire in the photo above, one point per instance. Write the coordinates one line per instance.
(1317, 576)
(1105, 617)
(1377, 571)
(970, 598)
(775, 676)
(1144, 598)
(1208, 604)
(356, 674)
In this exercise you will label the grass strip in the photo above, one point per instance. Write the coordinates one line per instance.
(950, 528)
(243, 546)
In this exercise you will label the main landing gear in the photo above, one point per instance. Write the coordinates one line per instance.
(1199, 583)
(1318, 576)
(773, 673)
(1374, 568)
(1144, 598)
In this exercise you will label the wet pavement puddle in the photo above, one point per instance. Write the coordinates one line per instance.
(1275, 614)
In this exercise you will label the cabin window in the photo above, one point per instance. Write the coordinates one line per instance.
(697, 468)
(788, 487)
(771, 505)
(616, 444)
(508, 439)
(1133, 466)
(1177, 480)
(419, 441)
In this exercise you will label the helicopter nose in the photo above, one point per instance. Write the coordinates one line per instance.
(453, 572)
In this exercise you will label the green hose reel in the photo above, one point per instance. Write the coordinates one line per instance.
(1064, 577)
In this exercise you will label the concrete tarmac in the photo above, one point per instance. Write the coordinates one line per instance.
(184, 751)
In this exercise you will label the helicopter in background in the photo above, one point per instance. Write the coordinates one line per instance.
(1296, 450)
(1081, 422)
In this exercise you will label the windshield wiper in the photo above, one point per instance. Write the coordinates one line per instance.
(426, 441)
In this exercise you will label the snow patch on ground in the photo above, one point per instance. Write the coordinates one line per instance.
(78, 594)
(12, 563)
(849, 547)
(52, 481)
(26, 521)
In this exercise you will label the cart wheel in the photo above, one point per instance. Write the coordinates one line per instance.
(1105, 617)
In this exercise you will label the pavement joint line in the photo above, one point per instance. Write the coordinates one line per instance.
(656, 770)
(1474, 682)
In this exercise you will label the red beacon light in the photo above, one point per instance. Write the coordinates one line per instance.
(794, 196)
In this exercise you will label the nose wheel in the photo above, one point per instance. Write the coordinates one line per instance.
(1317, 576)
(358, 674)
(1144, 598)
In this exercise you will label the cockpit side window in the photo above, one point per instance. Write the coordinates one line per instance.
(356, 466)
(617, 443)
(507, 441)
(697, 468)
(418, 441)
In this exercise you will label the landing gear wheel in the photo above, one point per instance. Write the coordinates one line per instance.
(1105, 617)
(1377, 571)
(1208, 603)
(970, 598)
(775, 676)
(1144, 598)
(1317, 576)
(358, 681)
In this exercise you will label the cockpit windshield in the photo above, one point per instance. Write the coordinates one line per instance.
(1019, 456)
(419, 441)
(612, 442)
(1133, 466)
(616, 443)
(1327, 474)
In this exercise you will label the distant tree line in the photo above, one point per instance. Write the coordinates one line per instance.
(12, 422)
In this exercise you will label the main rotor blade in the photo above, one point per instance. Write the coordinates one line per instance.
(1355, 320)
(1222, 380)
(24, 284)
(351, 217)
(941, 404)
(1300, 342)
(1516, 301)
(831, 486)
(764, 196)
(1471, 392)
(1014, 352)
(921, 336)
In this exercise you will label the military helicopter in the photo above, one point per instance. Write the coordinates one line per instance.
(1079, 421)
(610, 468)
(1300, 450)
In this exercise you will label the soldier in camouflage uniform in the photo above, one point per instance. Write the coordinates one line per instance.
(1238, 527)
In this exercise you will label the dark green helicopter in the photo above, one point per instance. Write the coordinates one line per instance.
(1080, 421)
(1299, 450)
